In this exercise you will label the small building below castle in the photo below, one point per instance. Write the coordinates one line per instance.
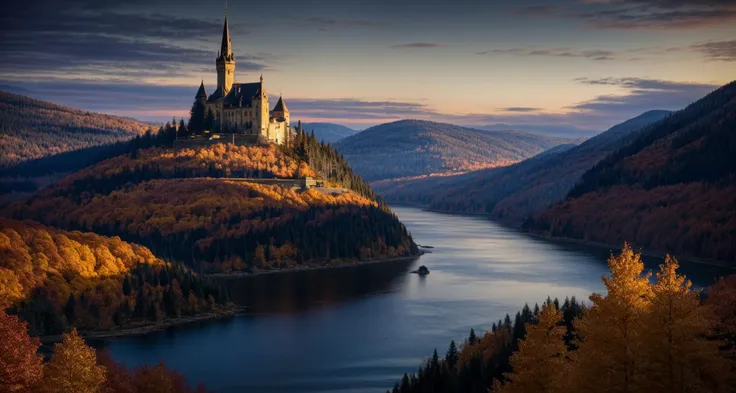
(242, 108)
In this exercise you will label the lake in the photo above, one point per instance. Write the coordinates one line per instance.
(359, 329)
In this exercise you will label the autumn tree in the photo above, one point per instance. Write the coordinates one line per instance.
(539, 363)
(722, 303)
(612, 328)
(676, 351)
(21, 369)
(73, 368)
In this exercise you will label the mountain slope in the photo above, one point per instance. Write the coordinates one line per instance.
(329, 132)
(215, 209)
(523, 189)
(673, 189)
(409, 148)
(58, 279)
(31, 129)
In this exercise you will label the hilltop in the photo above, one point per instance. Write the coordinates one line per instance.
(410, 148)
(329, 132)
(672, 189)
(59, 279)
(200, 206)
(31, 129)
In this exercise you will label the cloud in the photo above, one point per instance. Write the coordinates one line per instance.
(657, 14)
(101, 38)
(717, 50)
(354, 108)
(520, 109)
(417, 45)
(592, 54)
(642, 94)
(160, 103)
(323, 23)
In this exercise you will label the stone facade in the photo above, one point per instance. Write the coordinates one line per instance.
(243, 108)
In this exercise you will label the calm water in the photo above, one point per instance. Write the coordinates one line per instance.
(358, 329)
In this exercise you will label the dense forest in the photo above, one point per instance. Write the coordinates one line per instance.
(672, 189)
(171, 202)
(411, 148)
(56, 280)
(31, 129)
(641, 336)
(330, 164)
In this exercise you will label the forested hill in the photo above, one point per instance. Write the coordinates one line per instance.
(32, 129)
(179, 204)
(410, 148)
(329, 132)
(672, 189)
(518, 191)
(56, 280)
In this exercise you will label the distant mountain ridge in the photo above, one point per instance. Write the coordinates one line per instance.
(409, 148)
(672, 189)
(329, 132)
(526, 188)
(31, 129)
(553, 130)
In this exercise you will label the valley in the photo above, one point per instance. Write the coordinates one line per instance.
(412, 148)
(395, 196)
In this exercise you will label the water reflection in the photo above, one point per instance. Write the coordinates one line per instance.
(290, 292)
(360, 328)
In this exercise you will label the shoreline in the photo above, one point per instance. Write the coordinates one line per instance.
(644, 252)
(149, 327)
(242, 274)
(601, 245)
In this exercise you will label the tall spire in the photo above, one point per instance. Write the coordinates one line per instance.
(226, 49)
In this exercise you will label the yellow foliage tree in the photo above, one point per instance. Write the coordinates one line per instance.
(73, 368)
(611, 331)
(677, 356)
(538, 366)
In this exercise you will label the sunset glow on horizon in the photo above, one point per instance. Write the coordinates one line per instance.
(583, 64)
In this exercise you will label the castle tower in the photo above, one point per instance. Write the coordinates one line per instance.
(225, 61)
(280, 111)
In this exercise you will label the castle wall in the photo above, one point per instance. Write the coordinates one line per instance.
(236, 139)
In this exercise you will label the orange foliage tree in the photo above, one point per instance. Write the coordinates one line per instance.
(73, 368)
(21, 369)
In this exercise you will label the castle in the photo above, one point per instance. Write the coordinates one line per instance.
(242, 108)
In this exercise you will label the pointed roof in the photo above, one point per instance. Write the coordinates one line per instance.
(201, 93)
(240, 95)
(226, 48)
(280, 106)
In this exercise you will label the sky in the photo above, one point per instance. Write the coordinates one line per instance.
(582, 65)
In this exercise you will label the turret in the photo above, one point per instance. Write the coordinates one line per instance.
(280, 111)
(225, 61)
(201, 93)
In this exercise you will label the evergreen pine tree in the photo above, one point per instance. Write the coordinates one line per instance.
(196, 118)
(473, 338)
(209, 122)
(451, 356)
(182, 128)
